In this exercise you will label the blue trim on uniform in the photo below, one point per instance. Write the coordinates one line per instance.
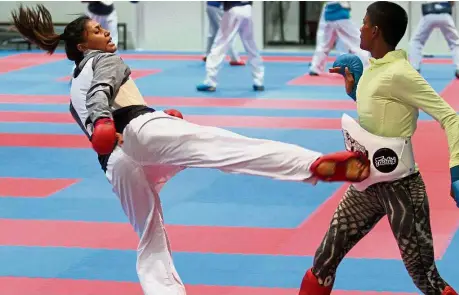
(335, 11)
(437, 8)
(214, 3)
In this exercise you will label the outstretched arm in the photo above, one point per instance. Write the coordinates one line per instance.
(410, 87)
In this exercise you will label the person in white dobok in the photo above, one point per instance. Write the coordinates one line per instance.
(141, 148)
(435, 15)
(339, 45)
(237, 19)
(214, 11)
(337, 26)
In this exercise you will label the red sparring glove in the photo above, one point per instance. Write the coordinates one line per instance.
(104, 136)
(174, 113)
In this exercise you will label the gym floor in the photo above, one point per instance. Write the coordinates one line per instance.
(62, 229)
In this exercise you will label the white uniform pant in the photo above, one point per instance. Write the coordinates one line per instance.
(214, 15)
(339, 45)
(138, 189)
(108, 22)
(343, 30)
(156, 139)
(237, 20)
(426, 25)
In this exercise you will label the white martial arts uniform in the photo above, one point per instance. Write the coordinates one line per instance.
(156, 147)
(237, 19)
(338, 26)
(177, 142)
(428, 22)
(138, 189)
(339, 45)
(214, 14)
(96, 10)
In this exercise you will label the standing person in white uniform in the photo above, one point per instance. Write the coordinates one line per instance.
(339, 45)
(237, 19)
(156, 145)
(138, 191)
(214, 14)
(435, 15)
(104, 13)
(337, 26)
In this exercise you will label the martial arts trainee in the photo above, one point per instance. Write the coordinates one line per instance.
(214, 11)
(138, 191)
(337, 26)
(390, 94)
(117, 109)
(160, 144)
(435, 15)
(236, 19)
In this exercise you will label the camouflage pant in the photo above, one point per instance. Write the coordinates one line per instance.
(406, 205)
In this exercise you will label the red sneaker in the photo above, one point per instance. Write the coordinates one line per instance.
(237, 63)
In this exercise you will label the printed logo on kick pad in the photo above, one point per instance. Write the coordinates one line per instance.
(385, 160)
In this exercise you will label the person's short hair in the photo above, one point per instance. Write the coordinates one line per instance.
(390, 18)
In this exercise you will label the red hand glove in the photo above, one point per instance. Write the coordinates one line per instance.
(174, 113)
(104, 136)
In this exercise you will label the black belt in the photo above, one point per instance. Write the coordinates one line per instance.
(436, 8)
(124, 116)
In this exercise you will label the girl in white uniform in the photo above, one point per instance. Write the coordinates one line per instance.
(155, 146)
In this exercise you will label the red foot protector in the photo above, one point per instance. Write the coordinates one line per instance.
(310, 286)
(342, 160)
(449, 291)
(174, 113)
(104, 136)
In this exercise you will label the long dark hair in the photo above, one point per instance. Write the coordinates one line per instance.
(36, 25)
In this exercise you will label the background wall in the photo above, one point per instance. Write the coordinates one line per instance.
(182, 25)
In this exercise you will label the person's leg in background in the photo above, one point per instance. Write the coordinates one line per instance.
(340, 47)
(111, 24)
(420, 36)
(325, 43)
(449, 31)
(214, 14)
(229, 28)
(248, 40)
